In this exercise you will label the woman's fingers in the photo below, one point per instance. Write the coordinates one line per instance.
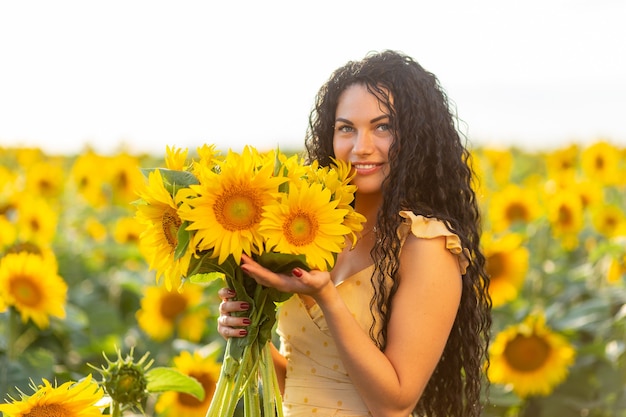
(227, 332)
(227, 324)
(225, 293)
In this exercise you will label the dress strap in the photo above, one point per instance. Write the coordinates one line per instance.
(429, 228)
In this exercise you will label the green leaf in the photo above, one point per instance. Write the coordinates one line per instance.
(170, 379)
(282, 263)
(178, 179)
(206, 278)
(183, 236)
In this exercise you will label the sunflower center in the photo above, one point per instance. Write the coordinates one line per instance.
(25, 247)
(25, 291)
(122, 180)
(171, 224)
(565, 216)
(238, 209)
(527, 353)
(34, 224)
(300, 228)
(610, 222)
(172, 305)
(45, 186)
(48, 410)
(495, 265)
(516, 212)
(566, 164)
(207, 382)
(599, 163)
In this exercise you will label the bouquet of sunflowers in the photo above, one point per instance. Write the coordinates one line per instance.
(201, 216)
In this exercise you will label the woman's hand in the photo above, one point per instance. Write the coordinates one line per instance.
(300, 281)
(228, 325)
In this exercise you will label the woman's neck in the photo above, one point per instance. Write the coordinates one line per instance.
(368, 205)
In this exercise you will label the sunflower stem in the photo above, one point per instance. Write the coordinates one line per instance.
(12, 330)
(272, 405)
(115, 409)
(14, 325)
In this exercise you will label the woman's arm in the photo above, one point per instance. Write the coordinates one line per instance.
(280, 367)
(423, 311)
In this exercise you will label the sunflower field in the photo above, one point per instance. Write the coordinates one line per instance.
(83, 315)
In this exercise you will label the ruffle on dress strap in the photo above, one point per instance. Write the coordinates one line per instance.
(428, 228)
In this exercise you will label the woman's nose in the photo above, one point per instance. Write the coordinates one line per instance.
(363, 143)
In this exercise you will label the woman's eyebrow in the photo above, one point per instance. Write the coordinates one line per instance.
(374, 120)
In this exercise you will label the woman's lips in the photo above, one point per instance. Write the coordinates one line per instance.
(366, 168)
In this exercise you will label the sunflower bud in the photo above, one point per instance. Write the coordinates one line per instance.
(125, 381)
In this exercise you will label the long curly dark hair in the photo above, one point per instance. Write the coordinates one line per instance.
(430, 174)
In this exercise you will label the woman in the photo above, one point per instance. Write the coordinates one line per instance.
(401, 324)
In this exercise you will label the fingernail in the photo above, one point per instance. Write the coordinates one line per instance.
(246, 321)
(231, 292)
(297, 272)
(244, 306)
(243, 332)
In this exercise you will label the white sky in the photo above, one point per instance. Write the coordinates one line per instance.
(146, 74)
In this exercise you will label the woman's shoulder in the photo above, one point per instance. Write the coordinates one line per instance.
(428, 228)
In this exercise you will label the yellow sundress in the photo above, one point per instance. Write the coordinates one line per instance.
(317, 383)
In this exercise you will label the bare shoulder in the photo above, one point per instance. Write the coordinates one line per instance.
(428, 262)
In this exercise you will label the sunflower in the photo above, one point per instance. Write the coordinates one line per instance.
(164, 311)
(32, 286)
(479, 177)
(294, 167)
(9, 181)
(208, 158)
(609, 220)
(71, 399)
(513, 205)
(227, 211)
(36, 219)
(124, 177)
(89, 180)
(306, 222)
(46, 179)
(600, 163)
(337, 179)
(590, 194)
(95, 229)
(617, 269)
(500, 164)
(565, 213)
(175, 158)
(27, 156)
(44, 251)
(8, 232)
(507, 265)
(159, 240)
(530, 357)
(127, 230)
(206, 371)
(563, 163)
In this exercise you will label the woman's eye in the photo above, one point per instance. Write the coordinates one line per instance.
(384, 127)
(345, 128)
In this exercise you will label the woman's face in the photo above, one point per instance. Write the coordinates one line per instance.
(362, 136)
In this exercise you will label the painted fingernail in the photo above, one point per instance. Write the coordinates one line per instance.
(243, 332)
(244, 306)
(297, 272)
(231, 291)
(246, 321)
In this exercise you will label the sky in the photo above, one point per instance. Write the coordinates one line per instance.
(141, 75)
